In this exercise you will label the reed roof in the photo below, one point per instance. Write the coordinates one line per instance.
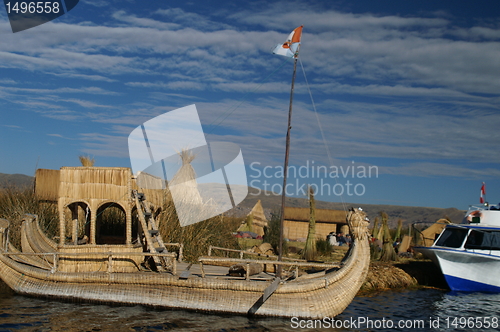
(322, 215)
(111, 183)
(102, 175)
(258, 213)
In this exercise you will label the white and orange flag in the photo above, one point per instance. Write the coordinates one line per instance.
(291, 47)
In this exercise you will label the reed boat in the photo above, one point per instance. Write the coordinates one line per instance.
(105, 274)
(137, 268)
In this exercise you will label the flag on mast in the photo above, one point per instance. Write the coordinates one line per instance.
(483, 193)
(290, 48)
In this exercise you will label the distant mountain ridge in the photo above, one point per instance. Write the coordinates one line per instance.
(271, 203)
(409, 214)
(15, 180)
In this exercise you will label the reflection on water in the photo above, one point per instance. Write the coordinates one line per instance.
(19, 313)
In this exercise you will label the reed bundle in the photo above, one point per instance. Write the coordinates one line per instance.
(309, 252)
(388, 252)
(87, 161)
(183, 185)
(385, 276)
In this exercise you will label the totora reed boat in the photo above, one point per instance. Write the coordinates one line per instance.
(87, 263)
(104, 273)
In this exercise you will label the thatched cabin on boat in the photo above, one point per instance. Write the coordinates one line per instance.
(296, 222)
(85, 195)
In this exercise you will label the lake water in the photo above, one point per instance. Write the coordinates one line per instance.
(416, 310)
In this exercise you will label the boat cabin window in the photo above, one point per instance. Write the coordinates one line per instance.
(452, 237)
(479, 239)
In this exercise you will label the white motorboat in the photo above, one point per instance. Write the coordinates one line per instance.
(469, 253)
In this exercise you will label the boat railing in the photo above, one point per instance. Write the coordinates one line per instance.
(292, 264)
(181, 249)
(270, 260)
(250, 253)
(170, 256)
(421, 239)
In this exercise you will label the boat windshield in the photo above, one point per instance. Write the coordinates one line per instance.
(452, 237)
(479, 239)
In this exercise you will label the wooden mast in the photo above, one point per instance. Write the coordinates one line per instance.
(285, 170)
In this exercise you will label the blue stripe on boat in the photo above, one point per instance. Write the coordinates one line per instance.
(464, 285)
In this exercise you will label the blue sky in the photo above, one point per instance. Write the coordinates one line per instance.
(411, 87)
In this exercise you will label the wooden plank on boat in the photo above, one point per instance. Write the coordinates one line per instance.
(270, 289)
(186, 273)
(267, 293)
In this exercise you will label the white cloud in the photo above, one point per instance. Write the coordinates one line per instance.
(133, 20)
(414, 88)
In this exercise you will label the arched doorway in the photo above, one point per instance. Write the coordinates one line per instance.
(111, 224)
(78, 216)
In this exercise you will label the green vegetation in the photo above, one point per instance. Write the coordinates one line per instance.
(272, 233)
(323, 248)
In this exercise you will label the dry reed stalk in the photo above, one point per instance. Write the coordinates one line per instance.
(16, 202)
(375, 227)
(216, 231)
(398, 231)
(87, 161)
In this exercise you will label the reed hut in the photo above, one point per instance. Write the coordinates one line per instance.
(85, 195)
(296, 222)
(258, 219)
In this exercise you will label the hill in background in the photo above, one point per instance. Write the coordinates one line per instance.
(271, 203)
(15, 180)
(409, 214)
